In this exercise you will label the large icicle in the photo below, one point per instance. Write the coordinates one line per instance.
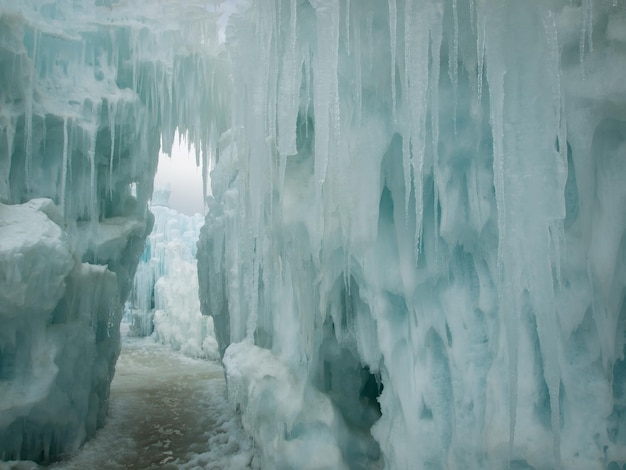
(64, 164)
(393, 25)
(436, 38)
(326, 88)
(289, 88)
(507, 299)
(112, 112)
(416, 43)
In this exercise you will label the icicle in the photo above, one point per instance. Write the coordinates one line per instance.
(28, 136)
(370, 39)
(480, 52)
(307, 88)
(45, 132)
(134, 56)
(282, 167)
(348, 26)
(453, 59)
(205, 170)
(10, 133)
(506, 297)
(406, 133)
(586, 29)
(294, 32)
(553, 66)
(548, 325)
(213, 156)
(288, 84)
(326, 88)
(278, 7)
(64, 166)
(112, 131)
(393, 21)
(436, 38)
(417, 77)
(93, 179)
(272, 80)
(28, 116)
(358, 77)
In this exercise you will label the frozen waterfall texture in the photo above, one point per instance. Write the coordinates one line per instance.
(88, 89)
(164, 299)
(415, 255)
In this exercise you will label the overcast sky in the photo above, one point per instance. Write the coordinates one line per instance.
(184, 178)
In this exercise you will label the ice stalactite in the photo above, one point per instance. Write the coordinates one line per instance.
(393, 34)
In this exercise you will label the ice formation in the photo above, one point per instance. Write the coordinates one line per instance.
(164, 301)
(415, 253)
(88, 91)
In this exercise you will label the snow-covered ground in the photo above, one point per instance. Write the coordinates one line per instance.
(167, 411)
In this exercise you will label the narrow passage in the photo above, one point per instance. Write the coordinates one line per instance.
(167, 411)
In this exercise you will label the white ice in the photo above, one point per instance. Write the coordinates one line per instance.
(164, 301)
(414, 253)
(88, 91)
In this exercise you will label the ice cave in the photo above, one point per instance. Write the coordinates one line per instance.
(414, 251)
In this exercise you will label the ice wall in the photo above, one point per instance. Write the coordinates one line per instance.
(415, 253)
(87, 92)
(164, 301)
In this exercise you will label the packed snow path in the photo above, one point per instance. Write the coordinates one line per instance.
(166, 411)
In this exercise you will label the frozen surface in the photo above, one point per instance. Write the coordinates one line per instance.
(414, 254)
(59, 338)
(417, 233)
(164, 301)
(88, 91)
(167, 412)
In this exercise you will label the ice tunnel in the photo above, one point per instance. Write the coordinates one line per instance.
(414, 250)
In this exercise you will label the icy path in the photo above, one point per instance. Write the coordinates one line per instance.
(167, 412)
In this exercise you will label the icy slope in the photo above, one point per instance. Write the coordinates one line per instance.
(419, 212)
(87, 92)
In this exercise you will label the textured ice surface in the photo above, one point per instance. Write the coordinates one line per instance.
(164, 301)
(59, 338)
(417, 226)
(417, 233)
(88, 90)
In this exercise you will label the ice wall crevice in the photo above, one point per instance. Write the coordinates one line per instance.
(453, 176)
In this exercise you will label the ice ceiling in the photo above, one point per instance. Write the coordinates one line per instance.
(414, 252)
